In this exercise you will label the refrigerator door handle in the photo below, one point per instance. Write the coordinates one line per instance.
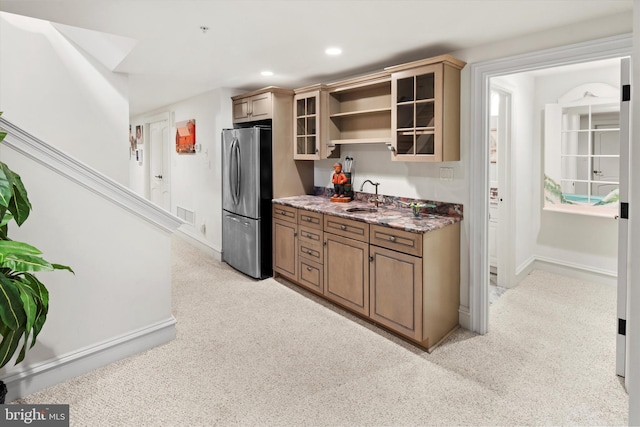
(234, 179)
(238, 172)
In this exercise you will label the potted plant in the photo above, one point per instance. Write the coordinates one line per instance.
(24, 300)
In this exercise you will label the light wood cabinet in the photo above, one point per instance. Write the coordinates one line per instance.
(250, 108)
(310, 136)
(360, 110)
(413, 108)
(415, 282)
(425, 119)
(408, 283)
(285, 239)
(346, 272)
(396, 291)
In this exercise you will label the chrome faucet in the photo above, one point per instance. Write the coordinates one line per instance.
(375, 184)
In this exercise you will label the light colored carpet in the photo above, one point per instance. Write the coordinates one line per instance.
(264, 353)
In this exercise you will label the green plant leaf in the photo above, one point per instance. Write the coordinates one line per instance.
(6, 217)
(21, 263)
(11, 311)
(62, 267)
(6, 187)
(42, 296)
(9, 344)
(30, 305)
(18, 248)
(18, 204)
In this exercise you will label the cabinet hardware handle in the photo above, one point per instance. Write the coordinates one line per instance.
(308, 219)
(295, 233)
(343, 227)
(308, 268)
(309, 251)
(371, 259)
(283, 213)
(392, 238)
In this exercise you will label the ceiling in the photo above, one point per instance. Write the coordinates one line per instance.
(169, 58)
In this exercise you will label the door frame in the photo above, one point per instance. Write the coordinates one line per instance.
(166, 147)
(481, 73)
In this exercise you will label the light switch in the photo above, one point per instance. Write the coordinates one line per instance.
(446, 174)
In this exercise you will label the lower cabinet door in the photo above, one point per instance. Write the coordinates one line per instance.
(396, 291)
(285, 250)
(346, 272)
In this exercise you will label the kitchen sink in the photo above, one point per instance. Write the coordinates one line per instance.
(362, 210)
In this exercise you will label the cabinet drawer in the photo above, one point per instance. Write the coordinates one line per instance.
(310, 219)
(310, 244)
(397, 240)
(286, 213)
(347, 228)
(311, 275)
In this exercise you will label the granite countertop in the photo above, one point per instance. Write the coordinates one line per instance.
(388, 215)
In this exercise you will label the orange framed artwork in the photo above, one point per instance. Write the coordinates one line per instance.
(186, 136)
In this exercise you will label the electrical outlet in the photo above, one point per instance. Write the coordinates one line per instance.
(446, 174)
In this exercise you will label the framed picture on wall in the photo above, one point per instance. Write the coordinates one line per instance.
(139, 136)
(186, 137)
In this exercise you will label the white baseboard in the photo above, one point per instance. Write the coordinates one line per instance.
(199, 243)
(63, 368)
(579, 271)
(464, 317)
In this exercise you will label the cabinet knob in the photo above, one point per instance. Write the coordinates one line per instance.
(283, 212)
(308, 219)
(371, 259)
(392, 238)
(309, 251)
(343, 227)
(308, 268)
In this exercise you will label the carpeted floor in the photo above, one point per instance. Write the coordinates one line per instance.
(265, 353)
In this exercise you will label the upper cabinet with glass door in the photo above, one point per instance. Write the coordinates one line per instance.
(425, 116)
(309, 124)
(582, 151)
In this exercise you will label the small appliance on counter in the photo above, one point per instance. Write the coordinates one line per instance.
(246, 200)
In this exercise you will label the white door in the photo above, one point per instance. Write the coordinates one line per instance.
(623, 221)
(501, 241)
(159, 192)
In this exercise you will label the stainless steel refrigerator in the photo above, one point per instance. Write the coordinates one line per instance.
(246, 200)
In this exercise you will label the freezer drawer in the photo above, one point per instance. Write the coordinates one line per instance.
(241, 244)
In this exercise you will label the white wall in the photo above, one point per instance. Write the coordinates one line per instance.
(524, 161)
(121, 290)
(195, 178)
(63, 96)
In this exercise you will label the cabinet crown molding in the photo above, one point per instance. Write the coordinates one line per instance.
(271, 89)
(445, 59)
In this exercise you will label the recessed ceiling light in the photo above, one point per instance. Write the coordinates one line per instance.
(333, 51)
(267, 73)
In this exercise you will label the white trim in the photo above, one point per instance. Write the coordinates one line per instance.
(65, 367)
(67, 166)
(610, 47)
(464, 317)
(579, 271)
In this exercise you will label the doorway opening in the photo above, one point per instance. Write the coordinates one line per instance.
(481, 75)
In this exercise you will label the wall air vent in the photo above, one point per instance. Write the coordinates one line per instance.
(185, 214)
